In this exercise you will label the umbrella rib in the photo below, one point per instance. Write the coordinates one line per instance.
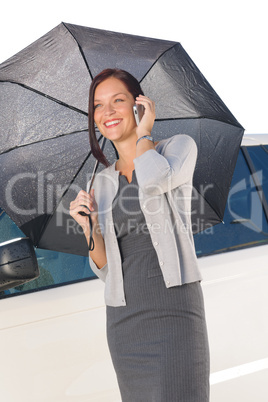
(182, 118)
(46, 96)
(213, 209)
(43, 140)
(159, 57)
(73, 179)
(198, 118)
(48, 220)
(80, 49)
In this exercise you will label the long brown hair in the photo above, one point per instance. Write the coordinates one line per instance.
(132, 85)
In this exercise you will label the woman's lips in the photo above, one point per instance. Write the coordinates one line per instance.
(112, 123)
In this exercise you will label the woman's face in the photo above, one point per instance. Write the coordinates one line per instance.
(113, 110)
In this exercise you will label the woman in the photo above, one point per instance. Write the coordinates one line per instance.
(144, 251)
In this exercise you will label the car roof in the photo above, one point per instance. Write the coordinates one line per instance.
(255, 139)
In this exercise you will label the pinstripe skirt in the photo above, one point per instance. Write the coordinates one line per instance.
(158, 341)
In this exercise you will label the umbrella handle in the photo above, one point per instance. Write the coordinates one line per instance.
(91, 241)
(91, 244)
(102, 144)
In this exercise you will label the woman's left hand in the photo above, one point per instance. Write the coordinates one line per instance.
(148, 118)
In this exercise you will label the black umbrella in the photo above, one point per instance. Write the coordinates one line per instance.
(45, 156)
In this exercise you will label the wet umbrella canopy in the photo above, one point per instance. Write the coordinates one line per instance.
(44, 152)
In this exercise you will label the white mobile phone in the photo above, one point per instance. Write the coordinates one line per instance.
(138, 111)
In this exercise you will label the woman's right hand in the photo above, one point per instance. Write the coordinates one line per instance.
(86, 203)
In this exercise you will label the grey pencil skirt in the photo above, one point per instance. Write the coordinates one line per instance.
(158, 342)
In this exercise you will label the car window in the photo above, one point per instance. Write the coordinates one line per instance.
(245, 225)
(245, 222)
(55, 268)
(259, 157)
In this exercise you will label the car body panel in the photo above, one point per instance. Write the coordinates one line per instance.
(53, 338)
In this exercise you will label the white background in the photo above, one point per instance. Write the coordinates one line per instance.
(227, 40)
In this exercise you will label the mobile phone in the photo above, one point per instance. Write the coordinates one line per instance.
(138, 111)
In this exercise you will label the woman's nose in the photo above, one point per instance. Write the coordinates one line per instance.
(109, 109)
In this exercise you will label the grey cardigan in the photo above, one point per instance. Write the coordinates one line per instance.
(164, 177)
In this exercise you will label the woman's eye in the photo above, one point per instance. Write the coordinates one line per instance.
(96, 106)
(119, 100)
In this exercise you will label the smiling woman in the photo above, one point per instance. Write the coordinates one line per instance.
(155, 309)
(113, 110)
(132, 87)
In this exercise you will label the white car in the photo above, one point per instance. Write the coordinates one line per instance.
(52, 330)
